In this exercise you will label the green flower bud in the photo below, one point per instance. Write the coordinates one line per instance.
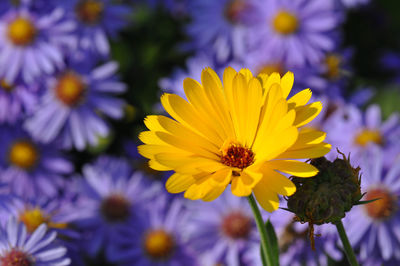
(326, 197)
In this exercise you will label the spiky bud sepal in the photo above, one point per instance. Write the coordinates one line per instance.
(326, 197)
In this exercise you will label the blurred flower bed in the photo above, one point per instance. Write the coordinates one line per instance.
(78, 77)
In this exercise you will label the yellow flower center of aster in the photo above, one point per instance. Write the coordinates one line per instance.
(234, 9)
(115, 208)
(70, 89)
(235, 155)
(32, 218)
(16, 257)
(23, 154)
(270, 68)
(6, 86)
(236, 225)
(158, 244)
(369, 136)
(21, 31)
(89, 11)
(285, 23)
(382, 208)
(332, 63)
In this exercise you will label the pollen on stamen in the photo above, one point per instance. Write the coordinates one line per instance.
(15, 257)
(70, 89)
(115, 208)
(384, 206)
(236, 225)
(89, 11)
(158, 244)
(237, 156)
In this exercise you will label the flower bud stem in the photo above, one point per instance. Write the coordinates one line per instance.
(266, 246)
(346, 244)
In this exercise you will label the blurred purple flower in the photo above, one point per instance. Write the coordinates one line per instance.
(374, 228)
(110, 199)
(353, 131)
(35, 249)
(33, 44)
(295, 32)
(29, 168)
(17, 100)
(97, 20)
(220, 232)
(73, 107)
(219, 27)
(158, 239)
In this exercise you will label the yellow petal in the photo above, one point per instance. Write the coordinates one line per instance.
(178, 183)
(308, 137)
(312, 151)
(199, 189)
(254, 97)
(151, 122)
(150, 137)
(153, 164)
(296, 168)
(149, 150)
(239, 188)
(246, 73)
(277, 182)
(221, 177)
(287, 84)
(301, 98)
(214, 193)
(306, 113)
(185, 114)
(268, 199)
(274, 78)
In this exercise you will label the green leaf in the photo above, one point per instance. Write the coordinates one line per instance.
(361, 202)
(274, 242)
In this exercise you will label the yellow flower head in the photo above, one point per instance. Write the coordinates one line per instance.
(242, 131)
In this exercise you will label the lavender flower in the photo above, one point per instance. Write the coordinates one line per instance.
(98, 20)
(221, 231)
(361, 130)
(112, 196)
(17, 248)
(295, 32)
(33, 44)
(374, 228)
(158, 239)
(73, 106)
(29, 168)
(17, 100)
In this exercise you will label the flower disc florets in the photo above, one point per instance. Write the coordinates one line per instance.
(326, 197)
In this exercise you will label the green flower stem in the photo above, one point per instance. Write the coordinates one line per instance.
(265, 241)
(346, 244)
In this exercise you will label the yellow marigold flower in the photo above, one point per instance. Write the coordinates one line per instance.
(242, 131)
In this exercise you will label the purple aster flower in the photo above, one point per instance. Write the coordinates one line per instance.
(111, 198)
(73, 107)
(158, 239)
(98, 20)
(329, 76)
(221, 232)
(295, 32)
(33, 44)
(17, 100)
(30, 169)
(361, 130)
(219, 26)
(374, 228)
(18, 248)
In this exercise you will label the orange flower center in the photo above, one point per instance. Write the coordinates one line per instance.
(382, 208)
(271, 68)
(332, 63)
(23, 154)
(70, 89)
(115, 208)
(369, 136)
(89, 11)
(285, 23)
(6, 86)
(237, 156)
(33, 218)
(21, 31)
(15, 257)
(158, 244)
(234, 9)
(236, 225)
